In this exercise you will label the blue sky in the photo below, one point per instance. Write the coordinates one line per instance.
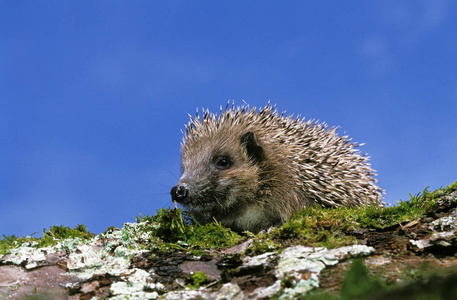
(93, 94)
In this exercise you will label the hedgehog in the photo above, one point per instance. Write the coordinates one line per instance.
(250, 169)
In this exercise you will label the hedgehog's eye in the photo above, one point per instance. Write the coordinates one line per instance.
(223, 163)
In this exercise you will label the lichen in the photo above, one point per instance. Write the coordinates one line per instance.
(298, 267)
(136, 286)
(28, 255)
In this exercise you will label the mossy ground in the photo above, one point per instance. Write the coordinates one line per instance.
(50, 237)
(197, 280)
(176, 231)
(173, 230)
(312, 226)
(331, 228)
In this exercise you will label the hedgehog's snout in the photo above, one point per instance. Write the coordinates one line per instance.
(180, 192)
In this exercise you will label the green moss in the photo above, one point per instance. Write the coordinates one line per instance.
(317, 226)
(50, 237)
(262, 243)
(56, 233)
(405, 211)
(332, 228)
(213, 236)
(9, 242)
(197, 280)
(177, 231)
(167, 224)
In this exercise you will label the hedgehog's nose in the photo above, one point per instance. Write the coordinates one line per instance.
(179, 192)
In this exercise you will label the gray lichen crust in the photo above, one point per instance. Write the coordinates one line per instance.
(250, 169)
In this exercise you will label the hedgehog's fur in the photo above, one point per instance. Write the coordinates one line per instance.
(250, 169)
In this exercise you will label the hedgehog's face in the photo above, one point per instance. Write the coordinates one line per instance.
(220, 175)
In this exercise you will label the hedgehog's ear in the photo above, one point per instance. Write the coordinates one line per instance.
(253, 149)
